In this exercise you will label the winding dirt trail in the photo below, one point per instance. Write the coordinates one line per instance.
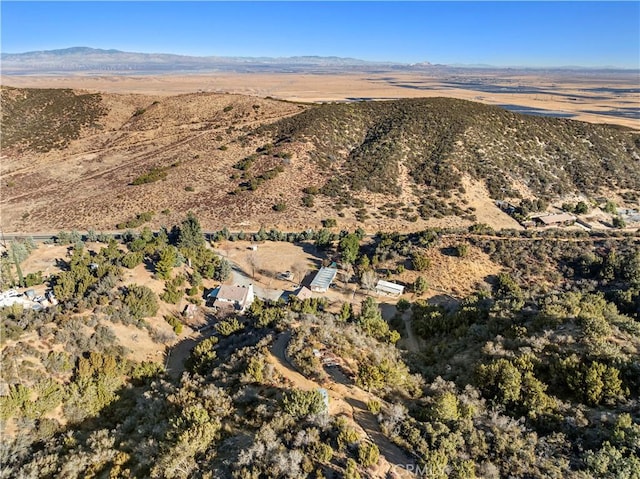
(350, 400)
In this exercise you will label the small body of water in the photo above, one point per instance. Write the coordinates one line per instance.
(613, 90)
(488, 88)
(528, 110)
(632, 113)
(413, 86)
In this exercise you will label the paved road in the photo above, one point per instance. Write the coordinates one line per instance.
(598, 236)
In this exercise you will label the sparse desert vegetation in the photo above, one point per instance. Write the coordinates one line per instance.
(193, 342)
(387, 165)
(538, 353)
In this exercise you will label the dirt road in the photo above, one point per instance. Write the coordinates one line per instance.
(346, 398)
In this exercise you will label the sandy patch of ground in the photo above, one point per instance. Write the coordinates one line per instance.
(138, 342)
(271, 258)
(486, 210)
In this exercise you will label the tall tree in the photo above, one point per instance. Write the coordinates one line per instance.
(349, 248)
(190, 235)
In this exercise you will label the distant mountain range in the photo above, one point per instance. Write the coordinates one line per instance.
(85, 59)
(78, 59)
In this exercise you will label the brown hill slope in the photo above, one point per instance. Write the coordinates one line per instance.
(244, 161)
(442, 139)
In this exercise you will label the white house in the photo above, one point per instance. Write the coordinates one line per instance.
(235, 298)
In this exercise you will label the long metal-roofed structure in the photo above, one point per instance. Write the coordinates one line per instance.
(323, 280)
(387, 287)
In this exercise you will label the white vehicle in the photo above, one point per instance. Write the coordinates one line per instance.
(12, 293)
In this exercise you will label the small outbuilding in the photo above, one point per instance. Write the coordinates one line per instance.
(303, 293)
(323, 280)
(386, 287)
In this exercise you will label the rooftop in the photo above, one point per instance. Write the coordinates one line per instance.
(230, 293)
(559, 218)
(388, 287)
(303, 293)
(324, 278)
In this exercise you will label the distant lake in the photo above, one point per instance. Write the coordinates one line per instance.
(632, 113)
(613, 90)
(529, 110)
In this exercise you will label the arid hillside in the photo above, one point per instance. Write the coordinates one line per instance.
(71, 159)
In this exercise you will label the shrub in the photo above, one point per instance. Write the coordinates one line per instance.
(280, 206)
(581, 208)
(298, 403)
(610, 207)
(373, 405)
(175, 323)
(139, 220)
(151, 176)
(420, 285)
(142, 302)
(351, 471)
(321, 452)
(403, 305)
(307, 200)
(33, 279)
(368, 454)
(618, 222)
(329, 223)
(228, 327)
(420, 262)
(131, 260)
(172, 291)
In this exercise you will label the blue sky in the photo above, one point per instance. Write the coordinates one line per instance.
(496, 33)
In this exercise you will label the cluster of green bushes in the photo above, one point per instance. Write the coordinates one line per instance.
(513, 381)
(175, 322)
(139, 220)
(151, 176)
(270, 168)
(440, 140)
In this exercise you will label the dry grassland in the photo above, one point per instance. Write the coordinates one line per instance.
(577, 93)
(198, 137)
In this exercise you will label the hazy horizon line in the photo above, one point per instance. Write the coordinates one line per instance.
(311, 55)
